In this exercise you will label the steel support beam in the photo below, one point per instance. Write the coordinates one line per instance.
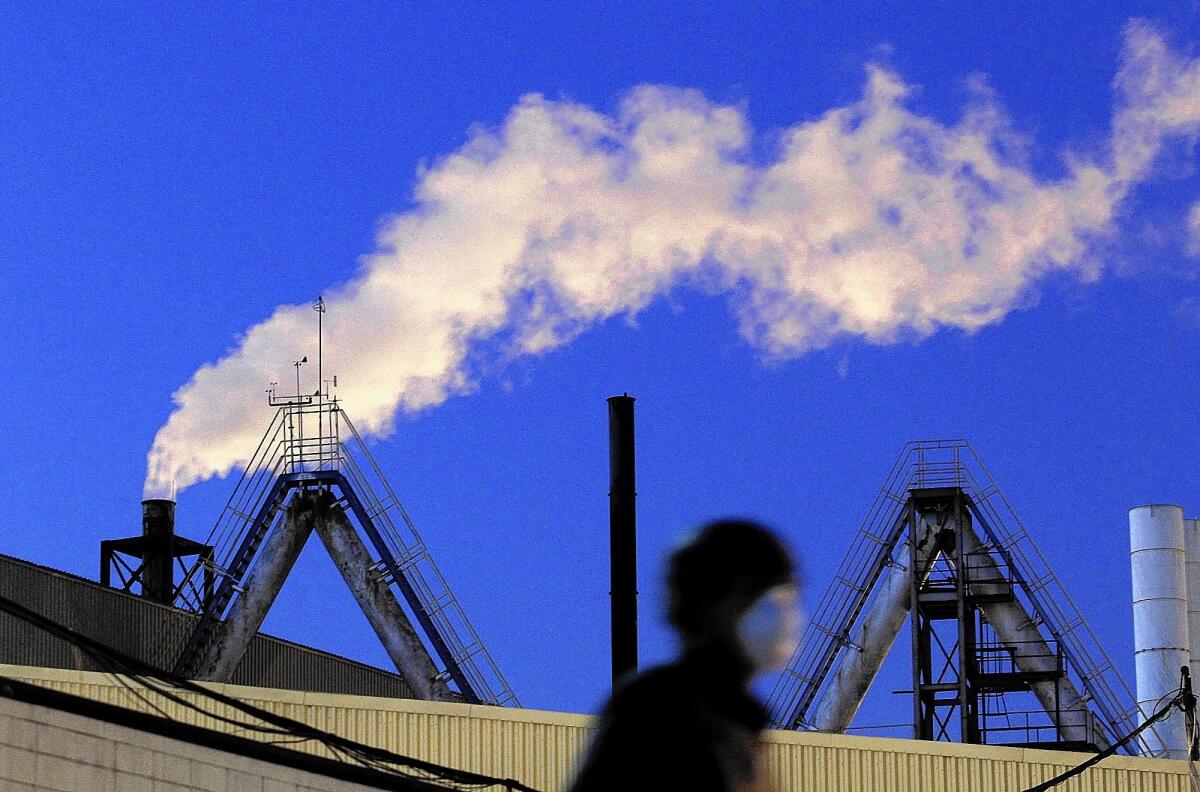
(859, 661)
(378, 604)
(968, 696)
(275, 561)
(1016, 628)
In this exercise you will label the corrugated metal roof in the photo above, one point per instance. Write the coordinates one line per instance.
(155, 633)
(541, 748)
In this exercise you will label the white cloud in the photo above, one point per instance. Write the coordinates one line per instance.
(871, 221)
(1193, 230)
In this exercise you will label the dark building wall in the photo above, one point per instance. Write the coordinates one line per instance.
(156, 633)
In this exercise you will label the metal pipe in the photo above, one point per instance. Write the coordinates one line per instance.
(1158, 561)
(622, 536)
(158, 559)
(379, 605)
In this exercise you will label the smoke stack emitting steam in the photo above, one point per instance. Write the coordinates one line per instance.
(871, 221)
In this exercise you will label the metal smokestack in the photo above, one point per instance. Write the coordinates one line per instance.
(1158, 560)
(158, 560)
(622, 514)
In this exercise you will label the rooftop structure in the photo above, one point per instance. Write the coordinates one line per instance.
(1000, 652)
(148, 630)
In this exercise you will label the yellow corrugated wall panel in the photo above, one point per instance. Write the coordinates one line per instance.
(540, 748)
(836, 763)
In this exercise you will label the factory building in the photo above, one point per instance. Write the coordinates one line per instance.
(85, 702)
(47, 749)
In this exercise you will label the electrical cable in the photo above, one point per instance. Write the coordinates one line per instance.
(1188, 705)
(121, 665)
(1160, 714)
(1193, 774)
(349, 751)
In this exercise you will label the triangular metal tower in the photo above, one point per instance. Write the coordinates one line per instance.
(312, 472)
(943, 550)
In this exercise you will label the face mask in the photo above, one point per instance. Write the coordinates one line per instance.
(769, 630)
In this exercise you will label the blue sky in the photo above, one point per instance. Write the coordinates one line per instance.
(169, 179)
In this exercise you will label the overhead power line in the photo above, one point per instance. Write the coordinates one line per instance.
(127, 668)
(1183, 699)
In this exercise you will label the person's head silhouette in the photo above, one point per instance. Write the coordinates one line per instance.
(733, 583)
(693, 723)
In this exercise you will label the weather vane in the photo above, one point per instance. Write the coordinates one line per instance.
(322, 390)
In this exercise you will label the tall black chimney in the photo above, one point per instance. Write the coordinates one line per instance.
(622, 514)
(158, 561)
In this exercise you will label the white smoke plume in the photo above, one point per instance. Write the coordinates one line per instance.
(871, 221)
(1193, 230)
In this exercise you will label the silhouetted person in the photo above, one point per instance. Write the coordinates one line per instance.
(693, 724)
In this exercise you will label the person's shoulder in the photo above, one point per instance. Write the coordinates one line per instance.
(657, 689)
(647, 738)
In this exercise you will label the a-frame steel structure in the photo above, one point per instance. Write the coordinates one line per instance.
(942, 550)
(312, 472)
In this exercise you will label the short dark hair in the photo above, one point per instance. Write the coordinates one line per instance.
(727, 562)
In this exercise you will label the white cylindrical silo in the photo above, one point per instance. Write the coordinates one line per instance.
(1191, 533)
(1158, 561)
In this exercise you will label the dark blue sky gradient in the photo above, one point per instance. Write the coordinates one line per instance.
(168, 178)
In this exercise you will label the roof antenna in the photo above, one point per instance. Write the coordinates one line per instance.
(320, 309)
(298, 364)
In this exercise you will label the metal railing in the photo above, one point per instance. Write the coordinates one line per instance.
(829, 628)
(1030, 727)
(997, 657)
(407, 547)
(984, 574)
